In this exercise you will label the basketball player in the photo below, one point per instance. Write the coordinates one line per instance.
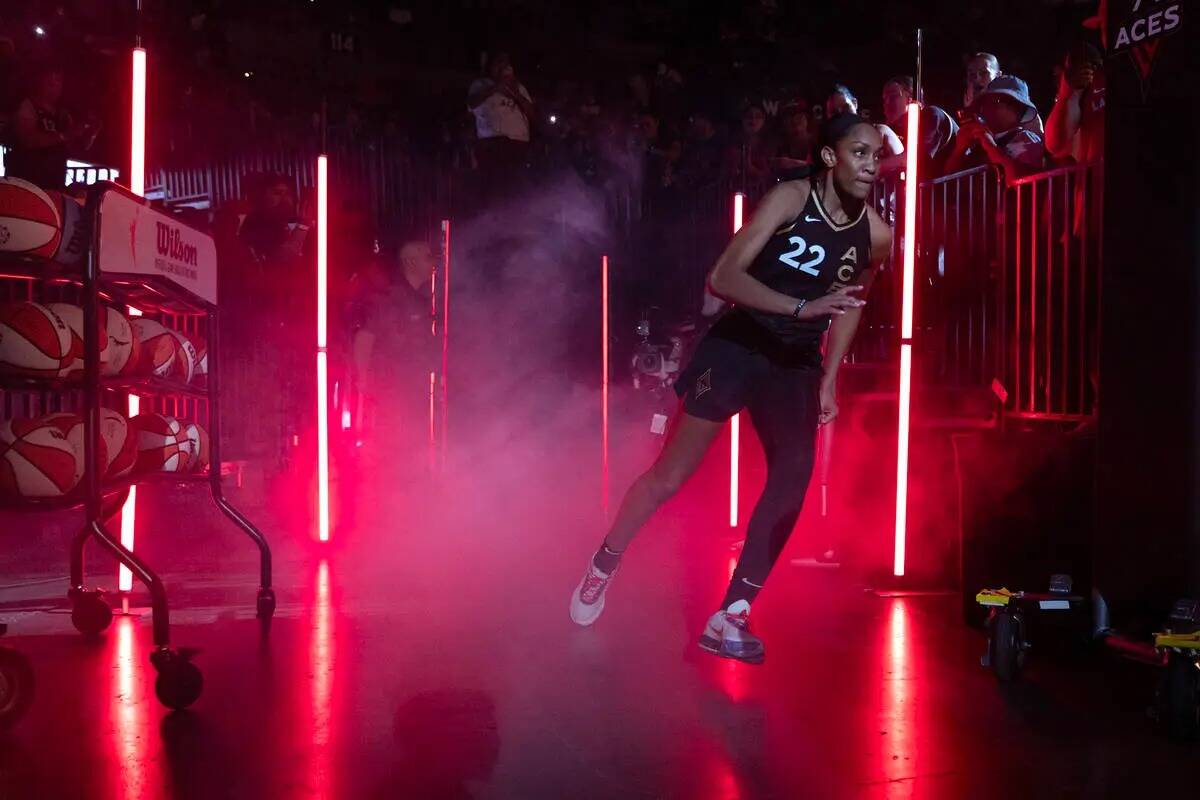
(797, 271)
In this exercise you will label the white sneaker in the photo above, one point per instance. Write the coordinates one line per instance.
(728, 635)
(587, 602)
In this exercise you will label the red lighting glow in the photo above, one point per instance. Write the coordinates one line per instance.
(322, 355)
(604, 383)
(137, 127)
(321, 656)
(134, 772)
(735, 424)
(906, 332)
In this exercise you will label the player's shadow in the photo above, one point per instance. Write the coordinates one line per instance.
(447, 740)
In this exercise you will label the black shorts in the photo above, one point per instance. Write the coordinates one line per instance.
(726, 376)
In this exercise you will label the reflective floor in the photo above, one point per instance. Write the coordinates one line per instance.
(430, 656)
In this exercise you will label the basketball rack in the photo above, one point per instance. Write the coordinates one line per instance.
(127, 265)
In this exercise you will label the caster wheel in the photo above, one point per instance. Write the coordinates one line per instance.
(1004, 647)
(16, 687)
(1179, 697)
(179, 681)
(89, 613)
(266, 603)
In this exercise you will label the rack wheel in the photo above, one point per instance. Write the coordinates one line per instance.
(1004, 646)
(1179, 697)
(16, 687)
(89, 613)
(266, 603)
(179, 681)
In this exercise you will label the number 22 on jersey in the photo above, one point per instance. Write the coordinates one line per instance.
(792, 258)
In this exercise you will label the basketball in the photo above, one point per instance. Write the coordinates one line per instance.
(71, 426)
(29, 219)
(201, 374)
(186, 357)
(34, 341)
(37, 460)
(130, 349)
(116, 338)
(162, 444)
(198, 437)
(120, 445)
(158, 349)
(118, 450)
(73, 244)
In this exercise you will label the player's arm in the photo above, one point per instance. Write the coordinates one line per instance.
(730, 279)
(843, 328)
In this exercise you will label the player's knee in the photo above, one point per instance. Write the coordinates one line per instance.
(665, 483)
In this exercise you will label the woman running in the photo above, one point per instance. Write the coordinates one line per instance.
(798, 270)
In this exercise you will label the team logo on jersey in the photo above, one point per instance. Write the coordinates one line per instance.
(704, 383)
(849, 265)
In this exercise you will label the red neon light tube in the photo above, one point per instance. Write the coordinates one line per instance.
(445, 332)
(137, 125)
(735, 424)
(604, 382)
(129, 509)
(322, 354)
(137, 185)
(906, 332)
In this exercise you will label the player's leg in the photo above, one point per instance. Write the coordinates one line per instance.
(713, 387)
(784, 411)
(689, 439)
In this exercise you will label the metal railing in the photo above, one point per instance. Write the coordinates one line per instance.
(960, 263)
(1053, 290)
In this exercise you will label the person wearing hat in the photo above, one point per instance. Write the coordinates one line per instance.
(995, 130)
(982, 69)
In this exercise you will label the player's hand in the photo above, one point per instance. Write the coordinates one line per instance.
(829, 406)
(834, 304)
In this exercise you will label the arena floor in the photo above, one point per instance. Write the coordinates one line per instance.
(428, 654)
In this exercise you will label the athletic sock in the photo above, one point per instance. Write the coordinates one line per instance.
(740, 589)
(606, 560)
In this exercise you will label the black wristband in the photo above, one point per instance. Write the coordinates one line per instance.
(799, 307)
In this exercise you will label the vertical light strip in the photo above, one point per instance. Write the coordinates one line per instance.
(322, 355)
(445, 333)
(137, 185)
(604, 383)
(129, 509)
(137, 128)
(911, 180)
(735, 424)
(433, 332)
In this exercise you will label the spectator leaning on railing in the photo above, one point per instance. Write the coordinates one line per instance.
(994, 133)
(982, 69)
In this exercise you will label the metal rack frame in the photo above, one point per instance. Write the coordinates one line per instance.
(179, 681)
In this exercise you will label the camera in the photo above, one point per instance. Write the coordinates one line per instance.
(656, 364)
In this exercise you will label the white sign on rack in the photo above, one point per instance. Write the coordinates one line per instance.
(136, 239)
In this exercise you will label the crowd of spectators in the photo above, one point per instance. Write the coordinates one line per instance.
(671, 125)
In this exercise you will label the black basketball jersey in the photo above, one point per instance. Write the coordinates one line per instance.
(807, 258)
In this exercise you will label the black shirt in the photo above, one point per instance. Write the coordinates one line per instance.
(807, 258)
